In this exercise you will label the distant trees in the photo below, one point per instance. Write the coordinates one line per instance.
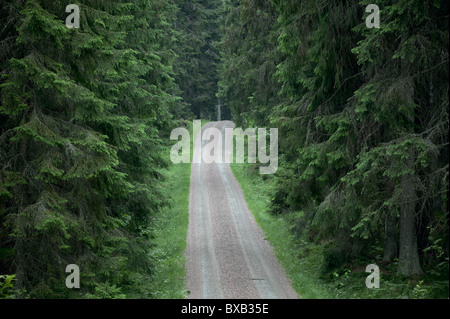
(198, 55)
(250, 59)
(363, 118)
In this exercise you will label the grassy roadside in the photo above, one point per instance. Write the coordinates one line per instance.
(170, 232)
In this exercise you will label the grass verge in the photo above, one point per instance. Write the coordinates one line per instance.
(170, 233)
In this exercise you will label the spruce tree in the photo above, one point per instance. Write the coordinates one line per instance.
(403, 107)
(81, 150)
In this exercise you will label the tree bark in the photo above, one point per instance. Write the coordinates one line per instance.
(390, 228)
(20, 261)
(390, 238)
(20, 240)
(408, 263)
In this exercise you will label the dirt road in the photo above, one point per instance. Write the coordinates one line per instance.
(227, 255)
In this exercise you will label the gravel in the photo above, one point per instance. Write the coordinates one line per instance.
(227, 255)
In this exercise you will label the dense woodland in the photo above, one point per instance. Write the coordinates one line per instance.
(85, 118)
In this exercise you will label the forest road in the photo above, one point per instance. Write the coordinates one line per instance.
(227, 255)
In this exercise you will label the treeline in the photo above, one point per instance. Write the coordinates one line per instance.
(363, 120)
(84, 119)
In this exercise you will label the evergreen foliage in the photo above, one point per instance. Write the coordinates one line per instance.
(249, 61)
(82, 114)
(363, 115)
(198, 55)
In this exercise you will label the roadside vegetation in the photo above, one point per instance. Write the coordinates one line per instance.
(314, 268)
(170, 231)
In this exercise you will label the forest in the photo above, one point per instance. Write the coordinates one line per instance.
(86, 113)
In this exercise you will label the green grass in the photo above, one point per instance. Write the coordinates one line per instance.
(170, 233)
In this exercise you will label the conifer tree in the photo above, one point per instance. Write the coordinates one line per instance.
(403, 107)
(81, 149)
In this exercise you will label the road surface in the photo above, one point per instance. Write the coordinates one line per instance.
(227, 255)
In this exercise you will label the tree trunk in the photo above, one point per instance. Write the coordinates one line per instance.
(20, 248)
(390, 238)
(20, 268)
(408, 263)
(390, 227)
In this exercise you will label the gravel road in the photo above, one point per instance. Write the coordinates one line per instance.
(227, 255)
